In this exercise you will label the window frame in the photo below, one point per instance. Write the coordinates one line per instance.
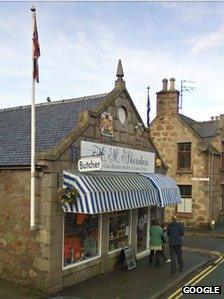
(129, 235)
(186, 195)
(87, 260)
(181, 154)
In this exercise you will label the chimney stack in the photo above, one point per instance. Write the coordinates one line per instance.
(212, 118)
(167, 100)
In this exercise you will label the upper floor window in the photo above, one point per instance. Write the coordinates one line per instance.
(184, 155)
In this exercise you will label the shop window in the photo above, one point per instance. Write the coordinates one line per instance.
(186, 199)
(119, 230)
(81, 238)
(142, 229)
(184, 156)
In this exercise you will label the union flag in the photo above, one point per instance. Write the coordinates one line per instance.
(36, 50)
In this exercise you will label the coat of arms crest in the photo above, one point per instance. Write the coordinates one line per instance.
(139, 129)
(106, 124)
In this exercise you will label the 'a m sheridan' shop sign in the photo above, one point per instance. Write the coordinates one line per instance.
(119, 159)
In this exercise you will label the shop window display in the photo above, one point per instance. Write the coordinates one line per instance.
(81, 237)
(118, 230)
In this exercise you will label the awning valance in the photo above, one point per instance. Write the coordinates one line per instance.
(102, 192)
(169, 192)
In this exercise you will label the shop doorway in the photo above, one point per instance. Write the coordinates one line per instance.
(143, 220)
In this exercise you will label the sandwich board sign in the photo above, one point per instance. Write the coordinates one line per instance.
(129, 258)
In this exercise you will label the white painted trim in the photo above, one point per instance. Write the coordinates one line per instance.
(138, 254)
(80, 263)
(200, 179)
(142, 254)
(116, 250)
(148, 226)
(130, 226)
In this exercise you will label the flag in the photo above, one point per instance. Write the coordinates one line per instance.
(148, 108)
(36, 49)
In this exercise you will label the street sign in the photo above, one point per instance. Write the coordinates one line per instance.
(89, 164)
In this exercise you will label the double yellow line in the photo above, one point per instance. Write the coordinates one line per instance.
(196, 279)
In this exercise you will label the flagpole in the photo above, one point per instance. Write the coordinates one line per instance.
(33, 182)
(148, 107)
(33, 173)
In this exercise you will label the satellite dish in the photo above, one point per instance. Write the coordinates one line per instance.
(202, 145)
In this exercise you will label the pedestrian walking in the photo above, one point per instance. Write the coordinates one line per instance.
(156, 243)
(175, 231)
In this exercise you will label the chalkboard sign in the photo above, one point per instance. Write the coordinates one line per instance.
(129, 257)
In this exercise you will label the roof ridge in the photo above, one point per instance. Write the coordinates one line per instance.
(66, 101)
(191, 119)
(208, 121)
(199, 121)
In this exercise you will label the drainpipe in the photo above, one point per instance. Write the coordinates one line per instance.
(212, 221)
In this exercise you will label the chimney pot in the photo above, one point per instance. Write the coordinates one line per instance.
(212, 118)
(165, 83)
(216, 118)
(172, 83)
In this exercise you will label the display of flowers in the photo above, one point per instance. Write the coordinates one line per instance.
(68, 195)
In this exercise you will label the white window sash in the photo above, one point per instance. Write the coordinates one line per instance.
(185, 206)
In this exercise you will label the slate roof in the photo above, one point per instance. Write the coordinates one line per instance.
(205, 129)
(54, 120)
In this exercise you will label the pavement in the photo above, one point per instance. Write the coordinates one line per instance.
(142, 282)
(218, 231)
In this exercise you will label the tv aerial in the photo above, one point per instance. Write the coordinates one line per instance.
(186, 86)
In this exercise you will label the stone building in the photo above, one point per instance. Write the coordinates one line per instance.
(193, 152)
(76, 240)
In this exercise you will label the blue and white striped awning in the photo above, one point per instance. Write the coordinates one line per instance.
(169, 192)
(103, 192)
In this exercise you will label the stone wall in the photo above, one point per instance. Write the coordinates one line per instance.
(167, 131)
(18, 245)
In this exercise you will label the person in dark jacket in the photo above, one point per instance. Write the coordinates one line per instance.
(175, 231)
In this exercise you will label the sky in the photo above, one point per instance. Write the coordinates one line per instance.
(81, 43)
